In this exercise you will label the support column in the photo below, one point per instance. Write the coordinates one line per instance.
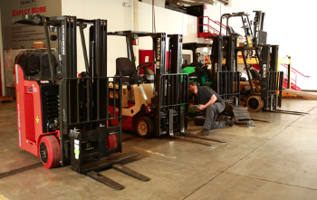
(2, 78)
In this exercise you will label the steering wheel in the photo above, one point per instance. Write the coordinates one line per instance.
(144, 65)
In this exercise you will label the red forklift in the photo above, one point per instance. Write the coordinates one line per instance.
(155, 104)
(63, 117)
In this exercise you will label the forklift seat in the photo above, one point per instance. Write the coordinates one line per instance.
(128, 72)
(29, 63)
(126, 69)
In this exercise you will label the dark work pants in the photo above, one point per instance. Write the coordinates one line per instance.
(212, 113)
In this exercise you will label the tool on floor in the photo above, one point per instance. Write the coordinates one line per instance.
(242, 116)
(63, 118)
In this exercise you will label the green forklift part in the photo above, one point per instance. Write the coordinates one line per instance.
(188, 70)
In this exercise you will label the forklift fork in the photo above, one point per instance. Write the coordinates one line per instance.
(117, 164)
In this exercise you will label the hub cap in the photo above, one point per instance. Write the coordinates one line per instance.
(142, 128)
(43, 152)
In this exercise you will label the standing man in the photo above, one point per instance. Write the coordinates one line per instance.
(209, 101)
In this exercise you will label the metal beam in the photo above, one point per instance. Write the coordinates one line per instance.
(226, 2)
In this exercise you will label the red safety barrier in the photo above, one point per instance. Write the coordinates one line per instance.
(210, 24)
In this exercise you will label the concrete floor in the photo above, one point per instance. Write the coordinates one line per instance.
(270, 161)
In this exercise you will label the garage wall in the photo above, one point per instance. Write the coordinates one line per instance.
(168, 21)
(119, 16)
(18, 36)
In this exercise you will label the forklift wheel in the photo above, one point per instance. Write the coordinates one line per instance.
(255, 103)
(49, 151)
(144, 126)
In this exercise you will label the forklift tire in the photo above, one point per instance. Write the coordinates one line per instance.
(49, 151)
(255, 103)
(144, 126)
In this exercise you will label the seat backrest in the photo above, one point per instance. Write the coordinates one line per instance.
(30, 64)
(45, 67)
(125, 67)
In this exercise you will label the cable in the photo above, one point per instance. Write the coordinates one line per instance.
(153, 18)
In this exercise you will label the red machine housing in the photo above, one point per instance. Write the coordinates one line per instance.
(0, 81)
(127, 122)
(29, 118)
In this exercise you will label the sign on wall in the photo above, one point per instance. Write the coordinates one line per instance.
(22, 36)
(18, 36)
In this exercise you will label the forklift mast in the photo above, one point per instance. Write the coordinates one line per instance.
(271, 79)
(258, 25)
(225, 76)
(171, 88)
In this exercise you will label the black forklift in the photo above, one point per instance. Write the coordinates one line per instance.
(265, 83)
(63, 117)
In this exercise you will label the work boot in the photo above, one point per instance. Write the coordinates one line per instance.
(204, 132)
(229, 122)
